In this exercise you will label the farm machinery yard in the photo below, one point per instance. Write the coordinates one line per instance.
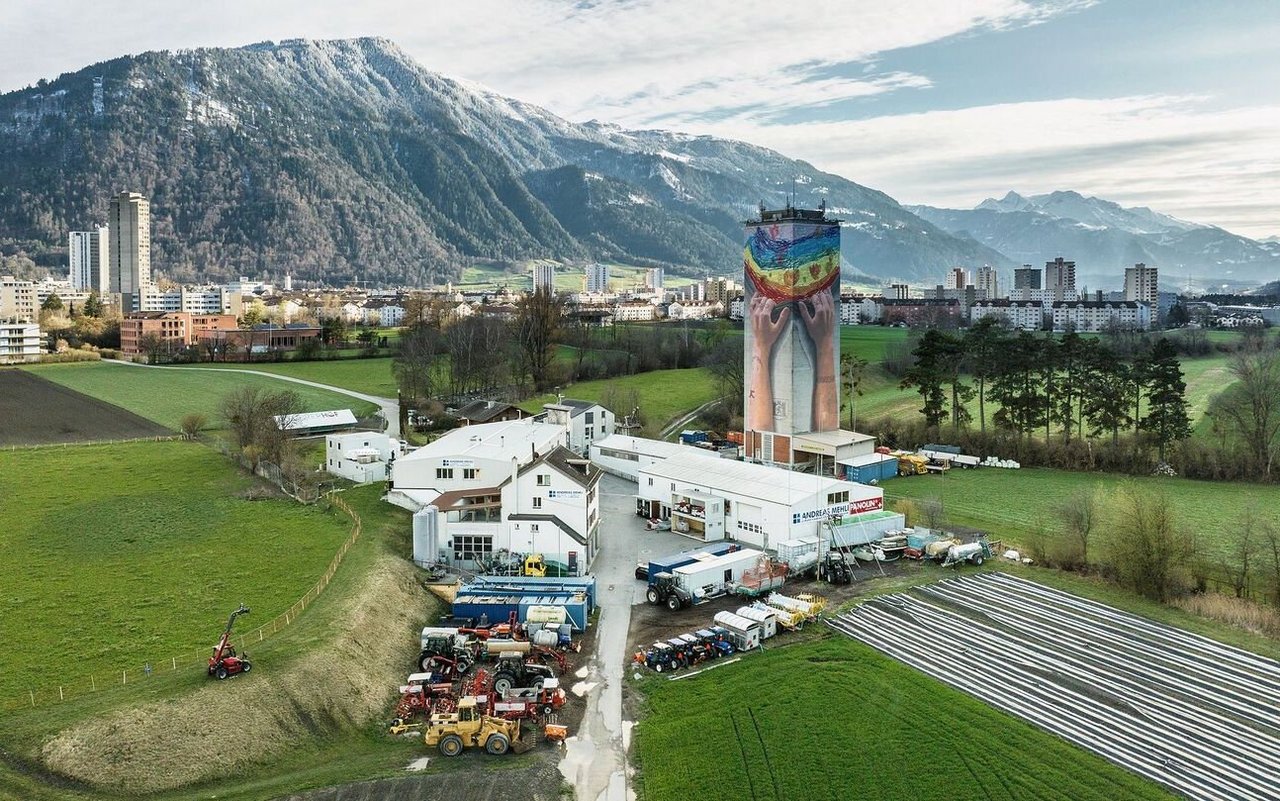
(1192, 714)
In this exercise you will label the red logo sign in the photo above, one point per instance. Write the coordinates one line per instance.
(869, 505)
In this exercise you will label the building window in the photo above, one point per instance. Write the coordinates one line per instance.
(471, 473)
(544, 479)
(837, 497)
(472, 547)
(444, 472)
(591, 418)
(537, 502)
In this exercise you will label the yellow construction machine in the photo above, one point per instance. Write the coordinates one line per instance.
(470, 728)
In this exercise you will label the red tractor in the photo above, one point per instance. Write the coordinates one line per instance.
(225, 662)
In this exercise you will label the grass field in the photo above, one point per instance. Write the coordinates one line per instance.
(115, 555)
(370, 376)
(836, 720)
(1016, 503)
(166, 395)
(663, 394)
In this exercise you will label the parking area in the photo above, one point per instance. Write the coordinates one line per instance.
(1197, 716)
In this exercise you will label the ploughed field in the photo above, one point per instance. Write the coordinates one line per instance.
(1182, 710)
(834, 719)
(34, 411)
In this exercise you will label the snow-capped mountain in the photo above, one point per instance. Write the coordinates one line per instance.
(1104, 237)
(346, 158)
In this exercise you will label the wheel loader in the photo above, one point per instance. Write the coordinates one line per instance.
(468, 728)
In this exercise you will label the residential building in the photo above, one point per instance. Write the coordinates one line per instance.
(544, 276)
(171, 331)
(19, 341)
(694, 310)
(597, 278)
(68, 294)
(1027, 315)
(1140, 284)
(988, 282)
(957, 278)
(633, 311)
(129, 246)
(1092, 316)
(18, 300)
(360, 456)
(501, 486)
(1060, 278)
(899, 292)
(1027, 277)
(247, 286)
(390, 313)
(192, 300)
(653, 280)
(585, 421)
(736, 307)
(90, 269)
(719, 290)
(923, 312)
(859, 309)
(488, 411)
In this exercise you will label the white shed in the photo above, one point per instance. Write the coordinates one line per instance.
(768, 620)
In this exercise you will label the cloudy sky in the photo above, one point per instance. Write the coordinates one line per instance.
(1173, 104)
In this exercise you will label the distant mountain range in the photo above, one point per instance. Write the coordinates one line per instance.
(342, 160)
(1104, 237)
(345, 159)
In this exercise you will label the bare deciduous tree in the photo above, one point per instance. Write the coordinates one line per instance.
(192, 424)
(1251, 407)
(1079, 516)
(536, 327)
(250, 413)
(1144, 545)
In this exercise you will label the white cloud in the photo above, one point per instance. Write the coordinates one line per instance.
(1175, 153)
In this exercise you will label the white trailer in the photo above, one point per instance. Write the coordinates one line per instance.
(768, 619)
(710, 577)
(743, 633)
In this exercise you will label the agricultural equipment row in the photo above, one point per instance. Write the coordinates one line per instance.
(732, 632)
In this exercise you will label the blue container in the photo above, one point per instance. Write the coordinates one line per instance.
(517, 585)
(574, 605)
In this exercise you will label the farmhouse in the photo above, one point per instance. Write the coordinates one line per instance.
(585, 421)
(510, 486)
(713, 499)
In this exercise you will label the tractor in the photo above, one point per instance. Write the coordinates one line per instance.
(434, 648)
(511, 671)
(836, 568)
(468, 728)
(225, 662)
(660, 656)
(716, 640)
(529, 702)
(663, 589)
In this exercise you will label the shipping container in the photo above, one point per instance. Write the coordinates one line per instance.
(519, 585)
(870, 469)
(710, 576)
(668, 564)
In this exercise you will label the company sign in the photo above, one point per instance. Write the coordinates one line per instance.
(458, 462)
(839, 510)
(564, 495)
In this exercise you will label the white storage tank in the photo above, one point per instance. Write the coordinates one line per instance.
(426, 536)
(546, 614)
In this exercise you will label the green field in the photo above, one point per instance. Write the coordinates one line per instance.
(369, 376)
(167, 395)
(663, 395)
(1017, 503)
(116, 555)
(836, 720)
(870, 341)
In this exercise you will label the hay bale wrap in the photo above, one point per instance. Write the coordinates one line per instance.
(236, 726)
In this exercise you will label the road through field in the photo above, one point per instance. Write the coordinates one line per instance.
(390, 409)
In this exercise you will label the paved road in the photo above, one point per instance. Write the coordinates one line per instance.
(596, 756)
(388, 406)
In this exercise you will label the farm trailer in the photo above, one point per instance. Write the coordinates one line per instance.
(744, 633)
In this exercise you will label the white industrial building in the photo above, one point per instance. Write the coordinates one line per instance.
(713, 499)
(585, 421)
(512, 485)
(360, 456)
(19, 341)
(624, 455)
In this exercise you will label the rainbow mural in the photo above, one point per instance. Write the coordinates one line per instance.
(790, 261)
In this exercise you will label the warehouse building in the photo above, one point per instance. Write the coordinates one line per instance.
(361, 456)
(624, 455)
(715, 499)
(510, 486)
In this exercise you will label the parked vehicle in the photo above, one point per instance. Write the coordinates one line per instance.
(972, 552)
(836, 569)
(529, 702)
(511, 671)
(659, 657)
(663, 589)
(225, 661)
(467, 728)
(421, 696)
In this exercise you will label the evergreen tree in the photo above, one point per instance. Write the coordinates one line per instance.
(51, 303)
(1105, 395)
(929, 373)
(984, 344)
(1017, 387)
(1166, 397)
(93, 305)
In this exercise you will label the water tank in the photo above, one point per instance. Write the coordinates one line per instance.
(546, 637)
(546, 614)
(426, 536)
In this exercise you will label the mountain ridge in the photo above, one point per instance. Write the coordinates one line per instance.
(338, 159)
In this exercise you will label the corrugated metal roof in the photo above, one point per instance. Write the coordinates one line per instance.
(771, 484)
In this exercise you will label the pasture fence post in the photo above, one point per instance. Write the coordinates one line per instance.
(61, 697)
(124, 677)
(33, 697)
(93, 684)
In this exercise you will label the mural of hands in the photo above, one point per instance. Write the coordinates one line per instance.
(764, 326)
(819, 317)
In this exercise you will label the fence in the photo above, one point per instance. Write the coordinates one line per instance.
(82, 443)
(77, 687)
